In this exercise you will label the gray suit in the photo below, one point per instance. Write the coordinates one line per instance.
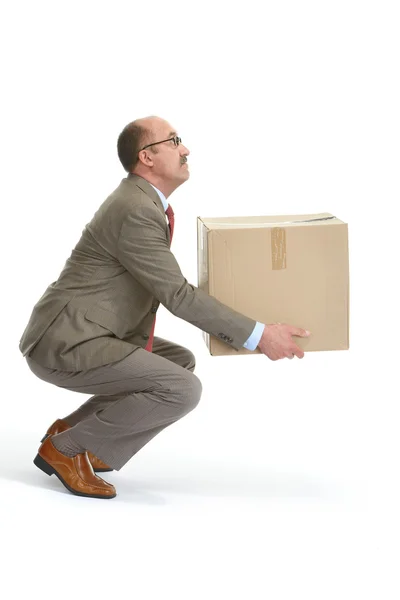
(102, 306)
(88, 331)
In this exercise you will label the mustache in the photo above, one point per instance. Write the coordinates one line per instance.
(183, 160)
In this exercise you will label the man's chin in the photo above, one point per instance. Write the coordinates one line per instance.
(182, 176)
(185, 172)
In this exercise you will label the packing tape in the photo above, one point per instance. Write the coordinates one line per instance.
(278, 248)
(278, 242)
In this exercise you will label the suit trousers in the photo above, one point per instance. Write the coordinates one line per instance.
(134, 399)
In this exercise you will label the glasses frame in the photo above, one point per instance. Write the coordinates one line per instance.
(176, 139)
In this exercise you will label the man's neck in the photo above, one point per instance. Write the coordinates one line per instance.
(156, 182)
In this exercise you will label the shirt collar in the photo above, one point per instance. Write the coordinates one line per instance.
(162, 197)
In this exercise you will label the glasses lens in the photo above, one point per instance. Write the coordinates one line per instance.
(177, 140)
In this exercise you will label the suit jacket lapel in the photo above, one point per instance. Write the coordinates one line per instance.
(147, 189)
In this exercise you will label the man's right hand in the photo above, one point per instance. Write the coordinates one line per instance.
(277, 342)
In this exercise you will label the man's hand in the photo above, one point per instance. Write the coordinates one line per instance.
(277, 342)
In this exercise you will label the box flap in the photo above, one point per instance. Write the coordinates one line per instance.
(269, 221)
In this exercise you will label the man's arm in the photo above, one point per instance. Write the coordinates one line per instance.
(144, 251)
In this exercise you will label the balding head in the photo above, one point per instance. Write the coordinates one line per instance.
(131, 139)
(150, 124)
(134, 136)
(150, 148)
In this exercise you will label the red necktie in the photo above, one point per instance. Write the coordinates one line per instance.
(171, 223)
(171, 219)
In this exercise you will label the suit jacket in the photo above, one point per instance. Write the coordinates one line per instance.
(102, 306)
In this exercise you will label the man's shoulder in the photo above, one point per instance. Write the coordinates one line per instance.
(125, 198)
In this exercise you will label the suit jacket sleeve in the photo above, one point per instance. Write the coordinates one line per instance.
(143, 249)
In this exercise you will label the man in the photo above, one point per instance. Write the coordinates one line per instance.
(92, 330)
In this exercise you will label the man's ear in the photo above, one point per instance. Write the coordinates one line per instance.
(145, 157)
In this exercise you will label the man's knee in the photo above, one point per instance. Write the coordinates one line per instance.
(190, 360)
(190, 393)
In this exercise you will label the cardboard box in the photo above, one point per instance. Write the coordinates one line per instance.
(289, 268)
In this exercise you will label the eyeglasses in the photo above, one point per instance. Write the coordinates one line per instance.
(177, 140)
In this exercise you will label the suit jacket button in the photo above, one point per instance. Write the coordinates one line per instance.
(154, 309)
(146, 337)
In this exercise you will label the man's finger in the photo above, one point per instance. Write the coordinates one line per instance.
(298, 352)
(299, 332)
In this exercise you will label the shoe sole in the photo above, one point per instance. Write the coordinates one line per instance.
(95, 470)
(49, 470)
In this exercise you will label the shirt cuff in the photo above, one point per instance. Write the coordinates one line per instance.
(255, 337)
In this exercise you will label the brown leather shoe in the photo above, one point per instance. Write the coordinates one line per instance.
(75, 473)
(58, 427)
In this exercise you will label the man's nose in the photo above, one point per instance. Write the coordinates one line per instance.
(184, 150)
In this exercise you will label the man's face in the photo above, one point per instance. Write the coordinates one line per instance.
(169, 160)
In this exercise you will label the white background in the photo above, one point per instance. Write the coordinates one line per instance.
(284, 482)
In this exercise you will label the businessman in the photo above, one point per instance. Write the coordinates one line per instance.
(92, 331)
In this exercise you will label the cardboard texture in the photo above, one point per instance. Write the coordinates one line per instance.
(288, 268)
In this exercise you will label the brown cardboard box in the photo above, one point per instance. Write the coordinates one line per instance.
(288, 268)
